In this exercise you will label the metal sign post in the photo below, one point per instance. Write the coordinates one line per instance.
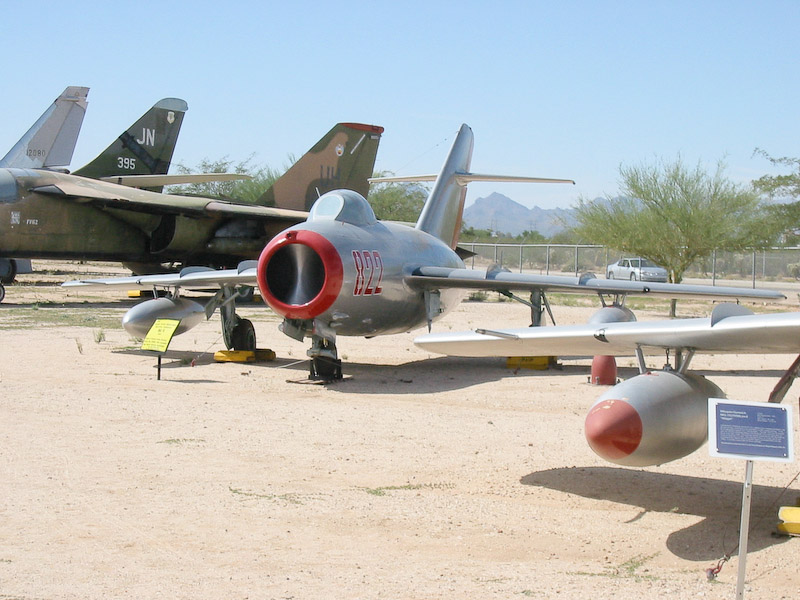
(744, 527)
(751, 431)
(159, 337)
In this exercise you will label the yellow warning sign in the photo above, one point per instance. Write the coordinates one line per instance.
(160, 335)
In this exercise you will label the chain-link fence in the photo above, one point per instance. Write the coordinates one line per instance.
(775, 264)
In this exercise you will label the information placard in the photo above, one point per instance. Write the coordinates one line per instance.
(750, 430)
(160, 335)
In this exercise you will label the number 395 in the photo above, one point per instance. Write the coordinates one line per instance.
(124, 162)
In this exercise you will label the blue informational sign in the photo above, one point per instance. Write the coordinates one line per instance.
(750, 430)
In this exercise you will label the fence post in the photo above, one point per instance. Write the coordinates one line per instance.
(547, 260)
(576, 259)
(714, 267)
(754, 269)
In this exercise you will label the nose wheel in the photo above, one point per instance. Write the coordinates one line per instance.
(324, 368)
(325, 363)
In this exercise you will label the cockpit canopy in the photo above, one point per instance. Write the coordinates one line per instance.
(346, 206)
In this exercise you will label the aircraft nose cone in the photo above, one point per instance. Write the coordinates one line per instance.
(613, 429)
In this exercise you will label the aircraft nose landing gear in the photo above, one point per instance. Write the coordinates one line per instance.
(324, 368)
(325, 362)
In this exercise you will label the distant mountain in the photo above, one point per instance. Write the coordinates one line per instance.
(500, 213)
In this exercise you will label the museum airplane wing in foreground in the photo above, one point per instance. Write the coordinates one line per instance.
(731, 329)
(658, 415)
(344, 273)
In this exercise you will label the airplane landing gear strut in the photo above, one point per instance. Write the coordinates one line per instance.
(237, 333)
(325, 362)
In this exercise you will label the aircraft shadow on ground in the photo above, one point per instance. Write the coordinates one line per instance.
(416, 377)
(432, 375)
(419, 377)
(718, 502)
(428, 375)
(452, 373)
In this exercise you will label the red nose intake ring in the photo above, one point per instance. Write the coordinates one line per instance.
(300, 274)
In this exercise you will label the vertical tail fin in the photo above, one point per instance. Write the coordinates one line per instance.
(441, 214)
(146, 147)
(51, 140)
(343, 158)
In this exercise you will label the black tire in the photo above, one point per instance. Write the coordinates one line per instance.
(2, 292)
(324, 368)
(10, 272)
(243, 336)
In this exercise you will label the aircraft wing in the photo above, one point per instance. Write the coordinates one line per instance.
(109, 195)
(191, 277)
(499, 281)
(728, 330)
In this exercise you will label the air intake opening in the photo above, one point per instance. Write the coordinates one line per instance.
(295, 274)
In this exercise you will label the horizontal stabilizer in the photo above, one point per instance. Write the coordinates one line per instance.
(466, 178)
(143, 181)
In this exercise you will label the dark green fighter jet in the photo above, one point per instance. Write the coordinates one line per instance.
(50, 142)
(47, 214)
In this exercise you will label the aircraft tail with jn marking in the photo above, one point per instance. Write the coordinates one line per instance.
(51, 140)
(145, 148)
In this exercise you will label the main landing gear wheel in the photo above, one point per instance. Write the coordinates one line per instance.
(243, 336)
(2, 292)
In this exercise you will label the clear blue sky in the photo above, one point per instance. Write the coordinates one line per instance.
(555, 89)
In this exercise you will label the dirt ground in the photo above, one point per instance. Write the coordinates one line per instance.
(417, 477)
